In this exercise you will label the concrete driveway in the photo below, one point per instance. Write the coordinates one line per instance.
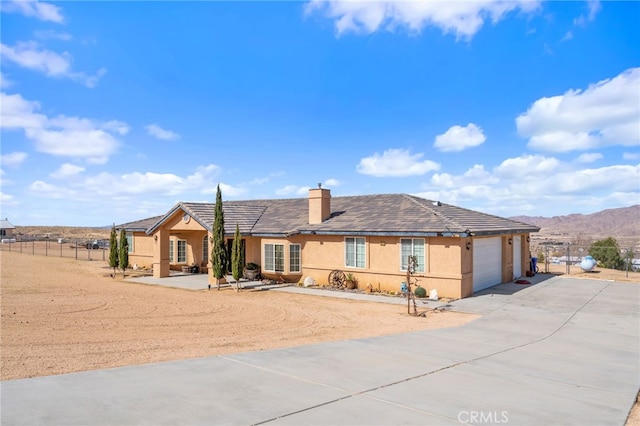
(563, 351)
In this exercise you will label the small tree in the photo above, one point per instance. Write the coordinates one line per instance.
(607, 253)
(236, 256)
(123, 252)
(412, 262)
(218, 251)
(114, 260)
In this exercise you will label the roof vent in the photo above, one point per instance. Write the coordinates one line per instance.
(437, 203)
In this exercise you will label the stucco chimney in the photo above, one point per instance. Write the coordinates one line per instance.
(319, 205)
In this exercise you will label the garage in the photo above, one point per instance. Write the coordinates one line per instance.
(487, 262)
(517, 256)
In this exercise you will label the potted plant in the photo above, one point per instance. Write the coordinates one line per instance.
(251, 270)
(351, 282)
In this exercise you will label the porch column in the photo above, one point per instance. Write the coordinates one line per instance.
(161, 253)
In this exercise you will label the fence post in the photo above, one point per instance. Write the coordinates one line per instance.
(20, 246)
(33, 247)
(76, 243)
(568, 258)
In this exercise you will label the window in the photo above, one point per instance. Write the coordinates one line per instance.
(205, 248)
(170, 251)
(294, 258)
(182, 251)
(274, 257)
(412, 247)
(3, 232)
(354, 256)
(130, 241)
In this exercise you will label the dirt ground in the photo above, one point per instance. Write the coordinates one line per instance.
(62, 315)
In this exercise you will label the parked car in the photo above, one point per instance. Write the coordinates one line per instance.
(97, 244)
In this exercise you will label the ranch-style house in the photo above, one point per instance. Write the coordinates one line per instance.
(459, 251)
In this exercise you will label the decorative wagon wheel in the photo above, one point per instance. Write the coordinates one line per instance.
(337, 278)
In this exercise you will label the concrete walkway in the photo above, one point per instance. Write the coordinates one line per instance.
(563, 351)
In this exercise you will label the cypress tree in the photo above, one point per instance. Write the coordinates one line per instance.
(236, 256)
(114, 260)
(123, 252)
(218, 251)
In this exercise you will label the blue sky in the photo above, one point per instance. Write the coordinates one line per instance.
(116, 111)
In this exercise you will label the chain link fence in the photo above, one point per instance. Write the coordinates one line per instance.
(74, 249)
(571, 255)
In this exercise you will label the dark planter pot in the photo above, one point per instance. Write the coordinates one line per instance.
(251, 274)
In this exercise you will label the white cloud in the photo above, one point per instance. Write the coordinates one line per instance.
(263, 180)
(396, 163)
(62, 136)
(5, 81)
(589, 157)
(230, 191)
(462, 18)
(459, 138)
(536, 185)
(160, 133)
(617, 178)
(594, 7)
(107, 184)
(29, 55)
(47, 190)
(331, 182)
(7, 200)
(35, 9)
(477, 174)
(568, 36)
(19, 113)
(53, 35)
(13, 159)
(202, 177)
(117, 127)
(604, 114)
(631, 155)
(151, 183)
(527, 165)
(67, 170)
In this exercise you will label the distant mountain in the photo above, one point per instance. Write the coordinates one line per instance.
(622, 223)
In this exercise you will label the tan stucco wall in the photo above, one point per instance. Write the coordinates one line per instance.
(143, 250)
(443, 269)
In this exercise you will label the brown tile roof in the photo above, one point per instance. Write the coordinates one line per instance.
(384, 214)
(140, 225)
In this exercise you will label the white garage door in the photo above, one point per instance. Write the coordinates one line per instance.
(517, 256)
(487, 262)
